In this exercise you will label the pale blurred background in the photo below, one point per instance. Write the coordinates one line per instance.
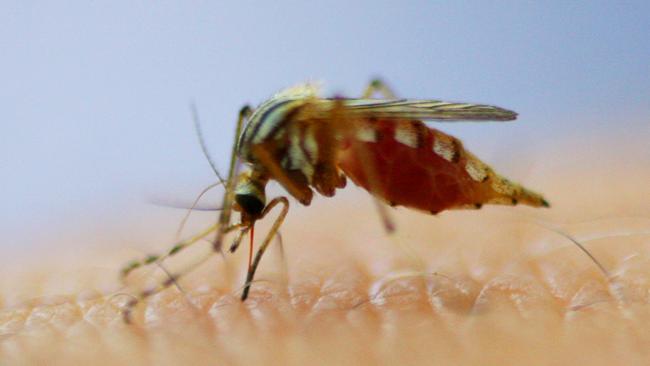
(95, 123)
(94, 103)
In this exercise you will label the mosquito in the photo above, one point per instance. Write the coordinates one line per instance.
(309, 143)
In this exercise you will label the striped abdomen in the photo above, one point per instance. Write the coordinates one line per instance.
(406, 163)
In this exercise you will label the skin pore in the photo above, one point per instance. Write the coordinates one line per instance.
(494, 286)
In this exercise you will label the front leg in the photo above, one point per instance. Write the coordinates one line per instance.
(172, 277)
(267, 240)
(295, 186)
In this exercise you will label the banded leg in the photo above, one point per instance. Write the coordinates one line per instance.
(224, 218)
(135, 264)
(274, 230)
(172, 277)
(229, 195)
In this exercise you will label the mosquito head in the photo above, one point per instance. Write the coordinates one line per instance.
(249, 194)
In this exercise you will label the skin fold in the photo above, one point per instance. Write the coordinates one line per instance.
(498, 285)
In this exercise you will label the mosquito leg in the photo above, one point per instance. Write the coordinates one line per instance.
(278, 238)
(386, 220)
(224, 218)
(244, 113)
(378, 86)
(172, 278)
(283, 258)
(153, 258)
(135, 264)
(223, 222)
(301, 192)
(370, 171)
(284, 263)
(238, 239)
(274, 230)
(229, 195)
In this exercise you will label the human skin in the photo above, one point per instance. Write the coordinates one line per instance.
(499, 285)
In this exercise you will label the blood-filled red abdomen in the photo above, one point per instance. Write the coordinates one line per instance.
(406, 163)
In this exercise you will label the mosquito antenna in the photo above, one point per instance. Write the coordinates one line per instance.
(199, 135)
(205, 190)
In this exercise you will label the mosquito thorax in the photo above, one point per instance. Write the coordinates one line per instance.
(249, 193)
(267, 119)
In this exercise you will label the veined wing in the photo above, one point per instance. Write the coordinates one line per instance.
(428, 110)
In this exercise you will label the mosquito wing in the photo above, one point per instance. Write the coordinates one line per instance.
(426, 110)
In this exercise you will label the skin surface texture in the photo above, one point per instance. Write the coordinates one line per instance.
(499, 285)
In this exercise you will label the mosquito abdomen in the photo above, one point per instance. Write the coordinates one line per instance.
(409, 164)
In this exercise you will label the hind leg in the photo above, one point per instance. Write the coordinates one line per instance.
(378, 86)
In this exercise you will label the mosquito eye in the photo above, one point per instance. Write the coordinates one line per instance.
(249, 194)
(250, 204)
